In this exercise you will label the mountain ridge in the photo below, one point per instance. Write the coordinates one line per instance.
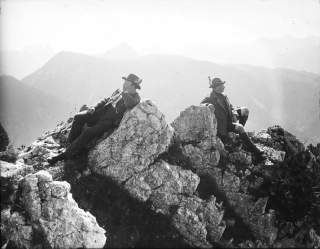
(26, 111)
(269, 93)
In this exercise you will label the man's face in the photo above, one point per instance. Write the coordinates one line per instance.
(129, 87)
(219, 88)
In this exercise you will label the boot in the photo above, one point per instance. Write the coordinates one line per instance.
(57, 158)
(259, 154)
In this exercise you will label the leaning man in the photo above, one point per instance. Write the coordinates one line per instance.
(104, 117)
(230, 119)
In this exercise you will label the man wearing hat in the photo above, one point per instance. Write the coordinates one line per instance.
(228, 118)
(105, 116)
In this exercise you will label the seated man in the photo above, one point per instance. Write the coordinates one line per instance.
(228, 118)
(105, 116)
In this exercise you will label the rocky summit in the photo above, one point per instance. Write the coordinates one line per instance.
(154, 184)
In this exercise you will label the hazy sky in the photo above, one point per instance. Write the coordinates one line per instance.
(152, 26)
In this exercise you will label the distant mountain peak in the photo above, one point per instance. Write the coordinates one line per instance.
(121, 51)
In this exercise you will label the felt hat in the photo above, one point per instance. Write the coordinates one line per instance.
(134, 79)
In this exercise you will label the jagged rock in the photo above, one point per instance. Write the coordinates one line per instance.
(16, 171)
(53, 215)
(252, 213)
(127, 156)
(195, 130)
(49, 145)
(196, 124)
(254, 244)
(60, 133)
(275, 156)
(315, 238)
(142, 135)
(43, 211)
(10, 174)
(264, 137)
(240, 157)
(198, 220)
(39, 151)
(164, 184)
(189, 225)
(14, 227)
(262, 223)
(280, 140)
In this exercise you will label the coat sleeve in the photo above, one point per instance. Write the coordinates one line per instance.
(206, 101)
(130, 100)
(101, 104)
(230, 105)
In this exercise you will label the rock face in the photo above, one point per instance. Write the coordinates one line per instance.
(199, 221)
(10, 175)
(153, 184)
(195, 130)
(164, 184)
(14, 171)
(52, 215)
(167, 186)
(196, 123)
(143, 134)
(130, 155)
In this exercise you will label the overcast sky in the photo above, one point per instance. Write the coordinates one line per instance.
(152, 26)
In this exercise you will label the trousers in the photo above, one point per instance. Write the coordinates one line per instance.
(79, 136)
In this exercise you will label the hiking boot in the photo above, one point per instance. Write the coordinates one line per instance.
(258, 154)
(55, 159)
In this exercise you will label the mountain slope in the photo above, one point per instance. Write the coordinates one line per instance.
(274, 96)
(289, 52)
(27, 112)
(20, 63)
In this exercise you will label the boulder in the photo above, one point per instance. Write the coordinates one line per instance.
(131, 156)
(16, 229)
(51, 214)
(195, 131)
(167, 186)
(195, 134)
(141, 137)
(10, 174)
(196, 124)
(164, 184)
(199, 221)
(14, 170)
(49, 145)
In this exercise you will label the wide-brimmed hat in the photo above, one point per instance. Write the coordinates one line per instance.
(216, 82)
(134, 79)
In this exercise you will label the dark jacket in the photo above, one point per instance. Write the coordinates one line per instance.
(223, 112)
(115, 106)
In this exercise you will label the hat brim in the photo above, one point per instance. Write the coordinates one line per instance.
(217, 84)
(137, 84)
